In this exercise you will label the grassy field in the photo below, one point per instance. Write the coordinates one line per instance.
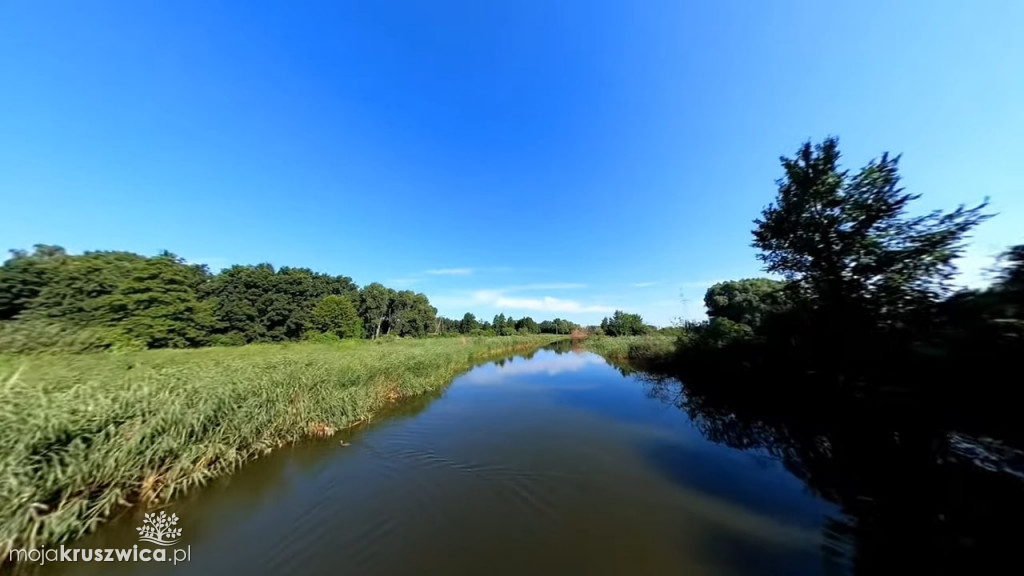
(82, 436)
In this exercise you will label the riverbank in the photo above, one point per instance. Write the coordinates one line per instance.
(649, 352)
(82, 436)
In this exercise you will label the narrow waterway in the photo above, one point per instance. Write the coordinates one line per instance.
(550, 463)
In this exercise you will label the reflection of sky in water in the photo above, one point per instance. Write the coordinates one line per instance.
(545, 362)
(526, 466)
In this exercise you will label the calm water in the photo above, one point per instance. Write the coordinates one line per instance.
(548, 464)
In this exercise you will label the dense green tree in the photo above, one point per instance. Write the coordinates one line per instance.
(623, 324)
(113, 298)
(374, 304)
(499, 324)
(24, 275)
(846, 242)
(410, 314)
(157, 305)
(152, 302)
(745, 301)
(258, 303)
(338, 315)
(468, 324)
(527, 325)
(445, 325)
(557, 326)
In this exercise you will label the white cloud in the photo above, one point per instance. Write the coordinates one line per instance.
(643, 284)
(402, 281)
(554, 286)
(498, 299)
(450, 272)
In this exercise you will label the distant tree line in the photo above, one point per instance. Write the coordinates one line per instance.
(506, 326)
(102, 299)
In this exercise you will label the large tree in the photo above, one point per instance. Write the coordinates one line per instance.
(468, 324)
(847, 243)
(745, 301)
(623, 324)
(24, 275)
(337, 315)
(410, 314)
(374, 303)
(527, 325)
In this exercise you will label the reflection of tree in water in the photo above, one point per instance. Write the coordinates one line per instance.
(914, 494)
(560, 346)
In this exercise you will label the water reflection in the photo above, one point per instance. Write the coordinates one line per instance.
(557, 464)
(913, 494)
(549, 364)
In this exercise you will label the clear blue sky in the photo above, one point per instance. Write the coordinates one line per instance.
(530, 157)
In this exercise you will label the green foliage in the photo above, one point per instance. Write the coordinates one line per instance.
(121, 298)
(646, 352)
(745, 301)
(410, 314)
(557, 326)
(337, 315)
(157, 305)
(320, 337)
(527, 325)
(499, 324)
(846, 243)
(374, 301)
(23, 276)
(21, 337)
(468, 324)
(714, 333)
(267, 305)
(623, 324)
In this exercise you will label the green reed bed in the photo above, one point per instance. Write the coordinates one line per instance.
(82, 436)
(639, 351)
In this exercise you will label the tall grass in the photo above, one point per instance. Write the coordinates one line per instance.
(652, 351)
(84, 435)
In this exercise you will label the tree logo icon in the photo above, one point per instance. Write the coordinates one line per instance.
(158, 529)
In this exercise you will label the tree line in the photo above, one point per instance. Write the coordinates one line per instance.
(101, 299)
(865, 291)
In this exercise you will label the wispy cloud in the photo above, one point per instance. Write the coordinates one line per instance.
(499, 299)
(643, 284)
(450, 272)
(553, 286)
(403, 281)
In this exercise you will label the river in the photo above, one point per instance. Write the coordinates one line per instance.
(551, 463)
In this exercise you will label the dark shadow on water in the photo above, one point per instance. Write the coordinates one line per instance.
(725, 475)
(913, 493)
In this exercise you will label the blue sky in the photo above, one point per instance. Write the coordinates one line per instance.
(530, 157)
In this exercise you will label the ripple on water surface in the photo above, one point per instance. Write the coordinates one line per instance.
(551, 464)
